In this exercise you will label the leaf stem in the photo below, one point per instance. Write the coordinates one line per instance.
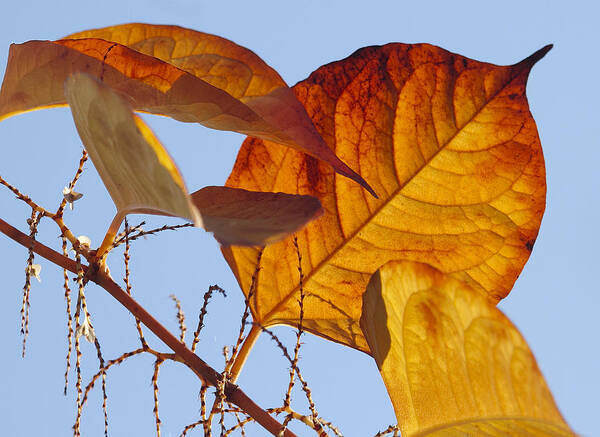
(244, 352)
(206, 373)
(112, 232)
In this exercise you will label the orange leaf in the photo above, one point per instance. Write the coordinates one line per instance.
(249, 218)
(136, 169)
(452, 149)
(37, 70)
(218, 61)
(452, 363)
(262, 105)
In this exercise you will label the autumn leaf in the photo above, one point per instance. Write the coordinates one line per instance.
(453, 151)
(196, 89)
(452, 363)
(137, 171)
(218, 61)
(249, 218)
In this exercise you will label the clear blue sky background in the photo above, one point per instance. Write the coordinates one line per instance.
(554, 303)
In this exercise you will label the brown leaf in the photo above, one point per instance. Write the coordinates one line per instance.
(262, 105)
(452, 363)
(37, 70)
(249, 218)
(136, 169)
(452, 149)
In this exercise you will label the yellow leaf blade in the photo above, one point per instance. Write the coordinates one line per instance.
(136, 169)
(518, 427)
(452, 149)
(248, 218)
(447, 355)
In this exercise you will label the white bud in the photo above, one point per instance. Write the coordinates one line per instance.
(35, 270)
(71, 196)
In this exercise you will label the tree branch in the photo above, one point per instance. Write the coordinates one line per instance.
(206, 373)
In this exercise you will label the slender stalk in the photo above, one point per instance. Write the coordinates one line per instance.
(112, 232)
(206, 373)
(244, 352)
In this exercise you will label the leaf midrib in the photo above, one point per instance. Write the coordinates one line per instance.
(393, 195)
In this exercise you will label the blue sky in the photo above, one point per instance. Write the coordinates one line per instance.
(554, 303)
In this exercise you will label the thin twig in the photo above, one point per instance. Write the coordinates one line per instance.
(128, 231)
(104, 397)
(69, 316)
(128, 283)
(206, 373)
(203, 312)
(288, 396)
(101, 372)
(63, 203)
(245, 315)
(119, 241)
(229, 363)
(25, 198)
(238, 425)
(190, 427)
(157, 364)
(26, 304)
(80, 274)
(205, 424)
(180, 317)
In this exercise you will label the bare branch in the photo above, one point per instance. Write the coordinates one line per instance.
(206, 373)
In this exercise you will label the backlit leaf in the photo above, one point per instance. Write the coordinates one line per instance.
(136, 169)
(452, 363)
(516, 427)
(218, 61)
(452, 150)
(194, 77)
(36, 72)
(249, 218)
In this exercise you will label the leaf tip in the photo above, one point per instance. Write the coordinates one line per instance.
(358, 178)
(535, 57)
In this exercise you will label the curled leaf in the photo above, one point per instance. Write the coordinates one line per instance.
(187, 75)
(137, 171)
(452, 363)
(218, 61)
(37, 70)
(241, 217)
(453, 151)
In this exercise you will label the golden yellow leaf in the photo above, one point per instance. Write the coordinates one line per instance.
(191, 84)
(136, 169)
(250, 218)
(452, 150)
(452, 363)
(517, 427)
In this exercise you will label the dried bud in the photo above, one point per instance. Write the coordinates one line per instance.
(86, 329)
(71, 196)
(35, 270)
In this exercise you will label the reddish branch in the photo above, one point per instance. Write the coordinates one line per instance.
(206, 373)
